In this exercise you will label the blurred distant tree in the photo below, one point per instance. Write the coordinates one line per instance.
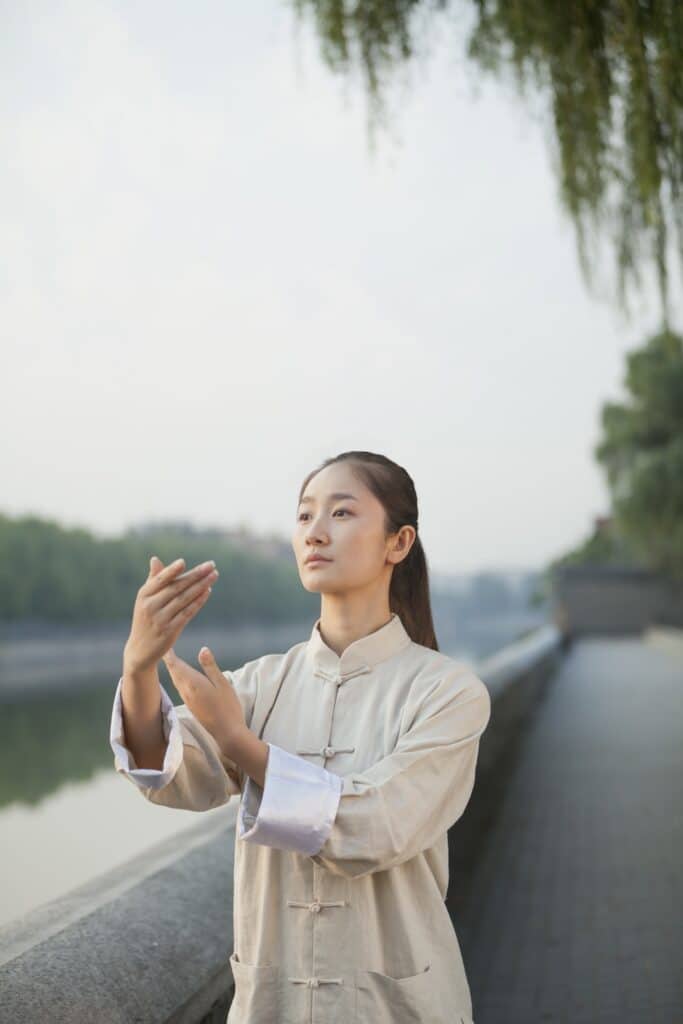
(642, 453)
(612, 71)
(52, 574)
(606, 545)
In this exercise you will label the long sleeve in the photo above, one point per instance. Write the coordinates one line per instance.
(195, 775)
(296, 806)
(396, 808)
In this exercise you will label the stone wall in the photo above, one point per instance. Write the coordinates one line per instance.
(611, 600)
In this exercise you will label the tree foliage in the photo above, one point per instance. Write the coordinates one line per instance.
(52, 574)
(612, 74)
(641, 451)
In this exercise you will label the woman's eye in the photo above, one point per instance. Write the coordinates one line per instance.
(303, 514)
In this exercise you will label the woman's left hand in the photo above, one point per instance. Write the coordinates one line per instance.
(210, 696)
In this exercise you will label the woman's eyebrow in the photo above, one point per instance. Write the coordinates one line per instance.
(337, 496)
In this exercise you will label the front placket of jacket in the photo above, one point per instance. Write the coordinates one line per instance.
(316, 905)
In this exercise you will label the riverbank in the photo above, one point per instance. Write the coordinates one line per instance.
(34, 657)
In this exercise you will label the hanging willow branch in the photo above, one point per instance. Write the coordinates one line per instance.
(612, 75)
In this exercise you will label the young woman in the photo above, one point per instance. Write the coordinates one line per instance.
(353, 754)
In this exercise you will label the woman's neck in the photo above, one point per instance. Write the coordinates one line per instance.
(343, 620)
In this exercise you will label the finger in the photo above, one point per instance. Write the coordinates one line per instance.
(165, 576)
(211, 669)
(180, 620)
(181, 584)
(169, 659)
(155, 566)
(174, 664)
(172, 600)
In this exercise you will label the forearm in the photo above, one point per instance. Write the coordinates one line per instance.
(249, 753)
(142, 721)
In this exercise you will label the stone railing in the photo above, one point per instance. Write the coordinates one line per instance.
(149, 941)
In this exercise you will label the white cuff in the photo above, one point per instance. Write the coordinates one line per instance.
(147, 778)
(296, 807)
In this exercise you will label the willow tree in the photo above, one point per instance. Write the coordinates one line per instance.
(612, 74)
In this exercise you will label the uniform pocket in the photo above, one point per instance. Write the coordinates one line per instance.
(257, 988)
(384, 999)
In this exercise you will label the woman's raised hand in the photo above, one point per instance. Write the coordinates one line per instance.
(165, 603)
(209, 696)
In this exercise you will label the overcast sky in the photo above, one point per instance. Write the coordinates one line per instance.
(211, 283)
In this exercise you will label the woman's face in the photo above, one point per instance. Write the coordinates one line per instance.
(341, 519)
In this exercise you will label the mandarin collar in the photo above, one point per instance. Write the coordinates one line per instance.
(361, 655)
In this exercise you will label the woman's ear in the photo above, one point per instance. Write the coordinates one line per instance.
(405, 538)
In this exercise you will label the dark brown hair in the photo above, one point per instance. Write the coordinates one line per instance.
(394, 488)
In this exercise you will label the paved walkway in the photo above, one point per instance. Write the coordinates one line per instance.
(576, 911)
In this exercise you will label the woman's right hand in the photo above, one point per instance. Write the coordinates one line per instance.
(165, 603)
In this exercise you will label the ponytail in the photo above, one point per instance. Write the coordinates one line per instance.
(409, 596)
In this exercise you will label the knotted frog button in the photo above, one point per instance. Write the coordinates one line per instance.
(313, 982)
(315, 907)
(328, 751)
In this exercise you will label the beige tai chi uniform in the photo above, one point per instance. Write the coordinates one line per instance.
(341, 859)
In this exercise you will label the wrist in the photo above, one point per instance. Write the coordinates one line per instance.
(248, 752)
(136, 670)
(232, 743)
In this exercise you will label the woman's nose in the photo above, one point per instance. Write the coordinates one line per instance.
(315, 537)
(315, 533)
